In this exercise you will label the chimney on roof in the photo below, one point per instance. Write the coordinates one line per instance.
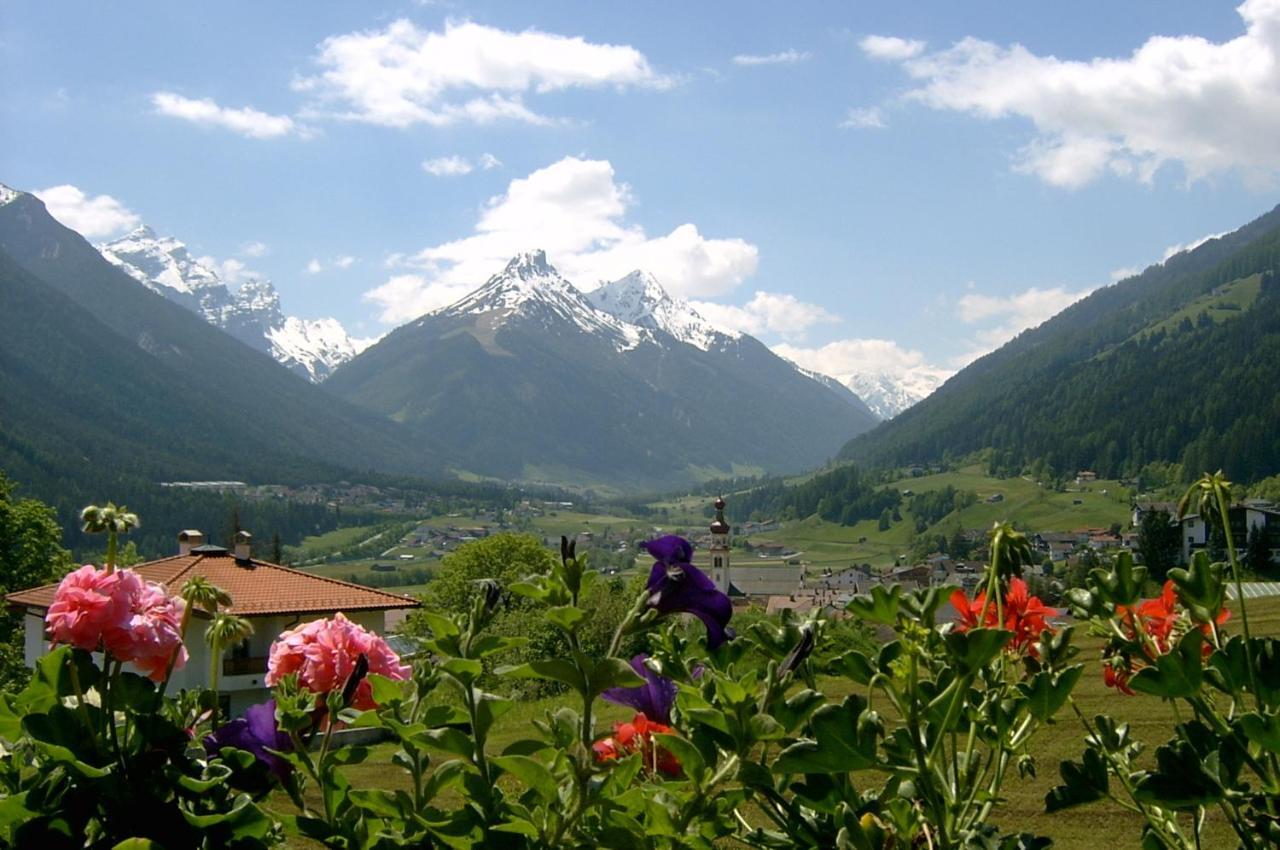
(244, 544)
(188, 539)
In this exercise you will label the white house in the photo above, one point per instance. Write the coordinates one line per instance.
(271, 597)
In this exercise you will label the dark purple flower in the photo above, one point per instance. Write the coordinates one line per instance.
(256, 733)
(678, 587)
(654, 698)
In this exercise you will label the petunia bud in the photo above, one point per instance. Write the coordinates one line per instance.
(798, 653)
(353, 681)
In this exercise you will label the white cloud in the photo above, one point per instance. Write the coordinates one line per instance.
(1006, 316)
(786, 57)
(447, 166)
(403, 75)
(488, 161)
(345, 262)
(92, 217)
(232, 271)
(1122, 273)
(864, 118)
(844, 358)
(254, 249)
(766, 312)
(1173, 250)
(247, 122)
(575, 210)
(1210, 106)
(314, 266)
(890, 47)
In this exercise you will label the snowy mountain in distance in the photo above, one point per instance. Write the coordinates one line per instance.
(836, 387)
(888, 394)
(7, 194)
(526, 379)
(529, 286)
(311, 347)
(639, 299)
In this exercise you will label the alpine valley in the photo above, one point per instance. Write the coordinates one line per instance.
(525, 379)
(529, 378)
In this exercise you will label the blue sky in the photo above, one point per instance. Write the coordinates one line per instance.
(865, 186)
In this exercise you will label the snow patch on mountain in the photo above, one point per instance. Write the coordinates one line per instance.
(531, 286)
(888, 394)
(311, 347)
(639, 299)
(7, 194)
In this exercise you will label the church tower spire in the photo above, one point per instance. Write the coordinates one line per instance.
(720, 549)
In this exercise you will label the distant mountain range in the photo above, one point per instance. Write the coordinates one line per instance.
(1177, 365)
(888, 394)
(108, 387)
(311, 347)
(529, 378)
(134, 362)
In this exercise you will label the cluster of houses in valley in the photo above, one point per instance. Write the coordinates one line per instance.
(1195, 534)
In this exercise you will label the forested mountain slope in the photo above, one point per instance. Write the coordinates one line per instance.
(1124, 377)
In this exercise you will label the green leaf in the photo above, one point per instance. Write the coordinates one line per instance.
(452, 740)
(613, 673)
(375, 801)
(524, 747)
(1176, 674)
(387, 691)
(554, 669)
(853, 665)
(533, 773)
(878, 606)
(135, 844)
(465, 670)
(843, 739)
(1085, 781)
(976, 648)
(690, 758)
(1201, 587)
(566, 617)
(1122, 585)
(1263, 731)
(440, 625)
(1047, 692)
(487, 645)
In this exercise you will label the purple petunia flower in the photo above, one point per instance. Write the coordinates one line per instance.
(676, 586)
(654, 698)
(255, 732)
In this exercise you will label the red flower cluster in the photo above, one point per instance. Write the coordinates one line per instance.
(120, 613)
(1024, 615)
(636, 736)
(1156, 619)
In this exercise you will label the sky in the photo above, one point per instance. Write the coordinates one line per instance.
(865, 186)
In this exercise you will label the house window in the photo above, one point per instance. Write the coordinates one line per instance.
(719, 561)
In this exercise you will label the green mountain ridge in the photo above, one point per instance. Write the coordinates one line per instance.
(1124, 377)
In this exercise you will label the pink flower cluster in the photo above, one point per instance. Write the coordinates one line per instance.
(132, 619)
(324, 652)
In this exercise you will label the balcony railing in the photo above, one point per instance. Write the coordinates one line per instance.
(243, 666)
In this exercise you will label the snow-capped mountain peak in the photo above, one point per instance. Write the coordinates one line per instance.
(639, 299)
(530, 285)
(890, 393)
(252, 314)
(7, 194)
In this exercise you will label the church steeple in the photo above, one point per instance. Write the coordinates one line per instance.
(720, 549)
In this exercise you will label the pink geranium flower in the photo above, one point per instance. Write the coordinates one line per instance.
(119, 613)
(324, 653)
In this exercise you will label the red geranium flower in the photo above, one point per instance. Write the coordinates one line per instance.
(636, 736)
(1024, 615)
(1157, 619)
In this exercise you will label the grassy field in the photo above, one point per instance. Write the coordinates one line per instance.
(1032, 507)
(1085, 828)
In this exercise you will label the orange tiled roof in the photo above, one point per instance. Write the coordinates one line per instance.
(257, 588)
